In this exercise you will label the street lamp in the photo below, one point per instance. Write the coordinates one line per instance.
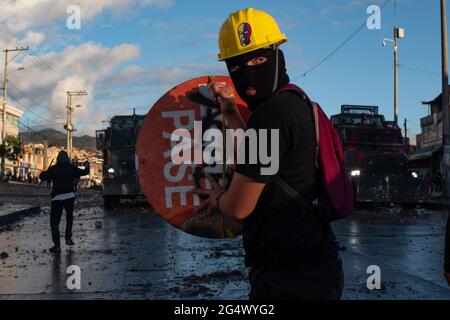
(385, 41)
(399, 33)
(18, 69)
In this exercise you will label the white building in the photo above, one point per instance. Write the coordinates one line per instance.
(13, 116)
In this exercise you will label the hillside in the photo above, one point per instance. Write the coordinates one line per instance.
(58, 138)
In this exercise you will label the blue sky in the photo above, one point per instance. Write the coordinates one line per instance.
(172, 41)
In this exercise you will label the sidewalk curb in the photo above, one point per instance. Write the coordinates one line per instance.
(17, 215)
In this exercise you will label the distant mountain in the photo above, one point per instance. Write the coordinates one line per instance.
(58, 139)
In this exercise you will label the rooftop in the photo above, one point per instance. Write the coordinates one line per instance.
(437, 100)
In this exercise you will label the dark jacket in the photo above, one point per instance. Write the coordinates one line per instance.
(64, 177)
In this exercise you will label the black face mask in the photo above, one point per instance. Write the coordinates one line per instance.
(260, 77)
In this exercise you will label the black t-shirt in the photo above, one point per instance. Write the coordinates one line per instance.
(280, 231)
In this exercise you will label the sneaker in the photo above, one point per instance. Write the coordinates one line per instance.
(69, 242)
(55, 249)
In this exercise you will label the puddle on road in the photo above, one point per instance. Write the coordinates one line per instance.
(135, 254)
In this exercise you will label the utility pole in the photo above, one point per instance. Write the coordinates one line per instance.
(395, 75)
(445, 102)
(69, 125)
(5, 97)
(399, 33)
(405, 126)
(45, 154)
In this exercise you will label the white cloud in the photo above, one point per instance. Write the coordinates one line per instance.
(161, 78)
(159, 3)
(129, 74)
(33, 38)
(102, 71)
(47, 79)
(18, 16)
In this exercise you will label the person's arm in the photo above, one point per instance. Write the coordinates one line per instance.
(83, 172)
(46, 175)
(248, 182)
(226, 98)
(238, 201)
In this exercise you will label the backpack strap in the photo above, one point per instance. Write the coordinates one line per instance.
(315, 109)
(291, 192)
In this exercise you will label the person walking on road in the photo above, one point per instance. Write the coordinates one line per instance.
(63, 176)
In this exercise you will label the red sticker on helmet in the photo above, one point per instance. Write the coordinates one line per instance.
(245, 34)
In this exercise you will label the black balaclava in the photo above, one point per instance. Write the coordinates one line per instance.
(261, 77)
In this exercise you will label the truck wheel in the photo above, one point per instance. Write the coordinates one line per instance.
(110, 202)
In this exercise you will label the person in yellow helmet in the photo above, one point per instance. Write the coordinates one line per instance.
(290, 250)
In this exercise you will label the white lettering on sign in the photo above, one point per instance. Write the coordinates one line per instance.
(182, 120)
(179, 175)
(178, 115)
(182, 191)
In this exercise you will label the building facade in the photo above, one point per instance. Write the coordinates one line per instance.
(428, 154)
(95, 162)
(33, 162)
(13, 116)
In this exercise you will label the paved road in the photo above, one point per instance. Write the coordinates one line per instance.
(130, 253)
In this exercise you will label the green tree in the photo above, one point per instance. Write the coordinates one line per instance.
(11, 149)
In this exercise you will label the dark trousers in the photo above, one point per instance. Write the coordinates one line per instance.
(55, 218)
(324, 281)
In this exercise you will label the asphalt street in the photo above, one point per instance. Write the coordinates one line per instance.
(131, 253)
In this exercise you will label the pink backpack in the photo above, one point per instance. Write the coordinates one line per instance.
(336, 191)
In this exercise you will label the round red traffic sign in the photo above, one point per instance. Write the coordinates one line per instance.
(166, 185)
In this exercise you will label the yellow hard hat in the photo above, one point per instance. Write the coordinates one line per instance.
(248, 30)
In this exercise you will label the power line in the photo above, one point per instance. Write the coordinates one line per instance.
(43, 62)
(95, 113)
(339, 47)
(36, 60)
(419, 70)
(102, 116)
(43, 65)
(48, 121)
(28, 98)
(34, 131)
(31, 111)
